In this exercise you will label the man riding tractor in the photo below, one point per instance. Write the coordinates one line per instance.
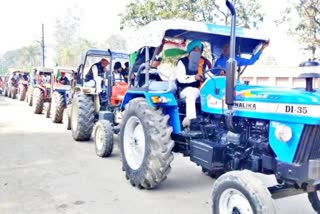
(60, 90)
(23, 85)
(96, 99)
(17, 83)
(41, 91)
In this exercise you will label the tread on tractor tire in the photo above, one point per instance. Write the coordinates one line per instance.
(22, 92)
(314, 199)
(213, 174)
(47, 109)
(5, 92)
(241, 192)
(82, 117)
(37, 101)
(66, 120)
(29, 98)
(145, 144)
(57, 107)
(103, 138)
(13, 92)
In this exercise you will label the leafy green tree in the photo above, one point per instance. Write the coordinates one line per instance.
(307, 28)
(115, 42)
(143, 12)
(23, 57)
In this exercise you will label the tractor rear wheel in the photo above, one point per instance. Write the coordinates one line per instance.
(21, 92)
(37, 100)
(103, 138)
(314, 198)
(57, 107)
(82, 117)
(145, 144)
(241, 192)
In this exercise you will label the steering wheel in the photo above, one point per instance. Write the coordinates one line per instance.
(210, 74)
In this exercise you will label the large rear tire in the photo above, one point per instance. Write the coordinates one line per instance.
(82, 117)
(241, 192)
(57, 107)
(22, 92)
(103, 138)
(37, 101)
(145, 144)
(314, 198)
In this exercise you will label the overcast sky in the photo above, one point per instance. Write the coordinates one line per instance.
(20, 22)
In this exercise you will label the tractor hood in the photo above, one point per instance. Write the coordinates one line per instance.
(263, 102)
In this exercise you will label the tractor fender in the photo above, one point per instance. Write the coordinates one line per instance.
(169, 105)
(42, 89)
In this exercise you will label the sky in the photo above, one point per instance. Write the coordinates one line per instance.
(20, 23)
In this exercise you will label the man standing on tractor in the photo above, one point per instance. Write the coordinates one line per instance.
(94, 77)
(222, 60)
(190, 70)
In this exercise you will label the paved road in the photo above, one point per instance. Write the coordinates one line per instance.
(42, 170)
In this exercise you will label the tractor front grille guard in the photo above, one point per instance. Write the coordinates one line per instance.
(309, 146)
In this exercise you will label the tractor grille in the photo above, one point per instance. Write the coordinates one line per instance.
(309, 146)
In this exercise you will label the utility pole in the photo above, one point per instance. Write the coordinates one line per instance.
(42, 46)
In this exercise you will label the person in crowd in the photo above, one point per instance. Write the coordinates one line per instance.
(225, 55)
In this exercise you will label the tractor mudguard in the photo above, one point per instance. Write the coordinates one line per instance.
(166, 101)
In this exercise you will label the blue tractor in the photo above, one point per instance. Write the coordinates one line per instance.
(61, 94)
(244, 129)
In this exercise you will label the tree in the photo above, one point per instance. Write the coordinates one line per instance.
(115, 42)
(307, 27)
(143, 12)
(23, 57)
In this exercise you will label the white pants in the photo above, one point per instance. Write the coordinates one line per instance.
(191, 94)
(95, 83)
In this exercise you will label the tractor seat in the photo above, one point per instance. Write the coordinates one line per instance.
(162, 86)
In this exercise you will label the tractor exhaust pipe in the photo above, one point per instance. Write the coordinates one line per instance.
(231, 70)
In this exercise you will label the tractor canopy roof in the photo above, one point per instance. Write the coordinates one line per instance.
(17, 71)
(43, 70)
(64, 69)
(93, 52)
(217, 35)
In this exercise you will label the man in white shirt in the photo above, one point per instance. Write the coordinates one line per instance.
(190, 71)
(94, 77)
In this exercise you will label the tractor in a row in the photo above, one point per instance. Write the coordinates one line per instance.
(241, 129)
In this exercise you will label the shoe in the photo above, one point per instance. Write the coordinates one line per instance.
(186, 122)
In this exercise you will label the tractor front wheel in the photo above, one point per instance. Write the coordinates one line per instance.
(47, 109)
(82, 117)
(241, 192)
(37, 100)
(103, 138)
(13, 92)
(314, 198)
(145, 144)
(57, 107)
(21, 92)
(66, 120)
(29, 98)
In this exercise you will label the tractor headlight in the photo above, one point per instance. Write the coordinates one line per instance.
(158, 99)
(283, 133)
